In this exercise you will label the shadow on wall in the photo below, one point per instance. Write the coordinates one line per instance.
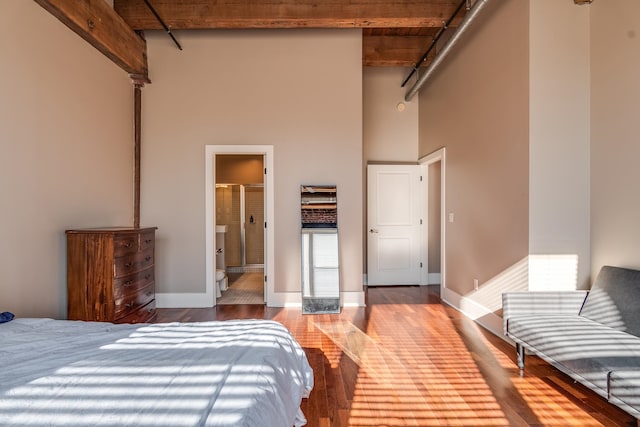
(532, 273)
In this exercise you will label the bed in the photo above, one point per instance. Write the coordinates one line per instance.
(225, 373)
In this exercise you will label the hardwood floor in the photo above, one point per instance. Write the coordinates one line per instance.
(409, 360)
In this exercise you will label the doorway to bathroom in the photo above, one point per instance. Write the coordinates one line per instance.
(240, 228)
(239, 213)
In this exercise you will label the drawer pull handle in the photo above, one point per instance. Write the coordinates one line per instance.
(128, 283)
(148, 294)
(148, 241)
(127, 265)
(147, 258)
(147, 277)
(128, 244)
(128, 305)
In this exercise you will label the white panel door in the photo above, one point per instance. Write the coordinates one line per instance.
(393, 225)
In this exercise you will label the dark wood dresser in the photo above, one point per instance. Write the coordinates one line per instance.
(110, 274)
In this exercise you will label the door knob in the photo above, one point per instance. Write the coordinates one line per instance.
(373, 230)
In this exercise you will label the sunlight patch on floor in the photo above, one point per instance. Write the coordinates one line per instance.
(388, 392)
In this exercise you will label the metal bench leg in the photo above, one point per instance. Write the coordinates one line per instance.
(520, 355)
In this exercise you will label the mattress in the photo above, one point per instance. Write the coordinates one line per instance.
(226, 373)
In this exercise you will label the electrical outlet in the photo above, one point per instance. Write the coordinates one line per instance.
(475, 284)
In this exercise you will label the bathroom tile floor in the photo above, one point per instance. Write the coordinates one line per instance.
(243, 288)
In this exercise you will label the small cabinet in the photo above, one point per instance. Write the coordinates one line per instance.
(110, 274)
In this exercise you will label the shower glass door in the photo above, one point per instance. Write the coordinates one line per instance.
(254, 225)
(241, 209)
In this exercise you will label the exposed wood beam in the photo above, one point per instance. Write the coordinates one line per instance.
(210, 14)
(97, 23)
(386, 51)
(137, 143)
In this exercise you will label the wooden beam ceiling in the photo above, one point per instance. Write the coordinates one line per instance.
(394, 46)
(380, 51)
(97, 23)
(395, 32)
(208, 14)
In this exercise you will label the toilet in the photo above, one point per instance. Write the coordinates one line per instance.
(221, 282)
(221, 273)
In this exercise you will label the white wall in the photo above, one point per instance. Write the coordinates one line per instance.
(476, 105)
(615, 150)
(389, 135)
(66, 144)
(559, 145)
(298, 90)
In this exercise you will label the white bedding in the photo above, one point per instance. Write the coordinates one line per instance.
(231, 373)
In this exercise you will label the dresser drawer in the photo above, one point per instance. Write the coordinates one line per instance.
(125, 244)
(146, 314)
(132, 263)
(132, 283)
(147, 241)
(134, 300)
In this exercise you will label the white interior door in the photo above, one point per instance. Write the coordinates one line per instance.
(393, 225)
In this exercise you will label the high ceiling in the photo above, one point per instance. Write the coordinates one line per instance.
(395, 32)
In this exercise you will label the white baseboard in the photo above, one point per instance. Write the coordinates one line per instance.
(475, 311)
(279, 299)
(285, 299)
(352, 299)
(190, 300)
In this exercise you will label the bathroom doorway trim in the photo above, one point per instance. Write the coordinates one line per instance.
(210, 208)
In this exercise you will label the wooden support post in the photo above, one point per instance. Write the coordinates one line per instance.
(137, 113)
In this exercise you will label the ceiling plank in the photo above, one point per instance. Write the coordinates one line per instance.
(210, 14)
(393, 51)
(97, 23)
